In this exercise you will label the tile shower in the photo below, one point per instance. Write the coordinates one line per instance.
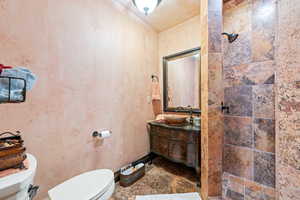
(248, 77)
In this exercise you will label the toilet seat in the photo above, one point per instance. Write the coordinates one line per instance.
(86, 186)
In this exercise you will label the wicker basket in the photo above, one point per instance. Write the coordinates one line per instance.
(128, 180)
(12, 151)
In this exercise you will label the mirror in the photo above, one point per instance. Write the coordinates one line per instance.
(181, 84)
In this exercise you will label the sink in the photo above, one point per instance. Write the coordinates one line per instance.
(175, 119)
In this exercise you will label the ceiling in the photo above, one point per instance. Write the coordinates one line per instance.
(168, 14)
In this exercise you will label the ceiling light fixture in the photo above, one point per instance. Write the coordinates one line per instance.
(146, 6)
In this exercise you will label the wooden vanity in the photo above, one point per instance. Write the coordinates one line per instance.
(178, 143)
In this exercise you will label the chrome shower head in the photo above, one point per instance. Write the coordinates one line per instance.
(231, 36)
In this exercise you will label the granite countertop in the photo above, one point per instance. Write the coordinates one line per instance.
(184, 127)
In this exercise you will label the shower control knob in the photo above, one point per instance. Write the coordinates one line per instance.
(226, 108)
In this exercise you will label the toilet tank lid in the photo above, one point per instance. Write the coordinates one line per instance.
(21, 176)
(84, 186)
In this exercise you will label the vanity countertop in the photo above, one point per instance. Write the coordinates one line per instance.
(185, 127)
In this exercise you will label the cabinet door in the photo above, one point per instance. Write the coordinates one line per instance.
(183, 136)
(191, 155)
(161, 131)
(159, 145)
(178, 151)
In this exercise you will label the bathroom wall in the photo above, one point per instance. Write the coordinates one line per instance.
(177, 39)
(248, 74)
(288, 101)
(94, 62)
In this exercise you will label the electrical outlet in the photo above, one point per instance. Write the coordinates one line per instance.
(148, 99)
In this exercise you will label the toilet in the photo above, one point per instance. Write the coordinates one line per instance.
(93, 185)
(18, 186)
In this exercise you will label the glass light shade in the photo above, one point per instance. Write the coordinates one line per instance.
(146, 6)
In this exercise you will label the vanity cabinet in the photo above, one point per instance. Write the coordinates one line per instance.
(176, 143)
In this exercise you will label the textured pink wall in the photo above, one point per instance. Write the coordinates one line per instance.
(93, 60)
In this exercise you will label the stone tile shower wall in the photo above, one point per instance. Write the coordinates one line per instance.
(248, 75)
(288, 101)
(211, 98)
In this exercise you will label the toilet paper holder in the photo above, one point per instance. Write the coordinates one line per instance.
(100, 134)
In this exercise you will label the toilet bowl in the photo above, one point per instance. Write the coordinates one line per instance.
(18, 186)
(93, 185)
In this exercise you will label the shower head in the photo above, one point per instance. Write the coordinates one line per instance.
(231, 36)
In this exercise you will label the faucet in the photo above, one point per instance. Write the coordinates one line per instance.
(180, 108)
(191, 114)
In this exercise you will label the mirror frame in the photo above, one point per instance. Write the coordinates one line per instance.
(165, 81)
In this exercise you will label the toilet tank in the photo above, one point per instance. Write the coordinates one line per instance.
(16, 186)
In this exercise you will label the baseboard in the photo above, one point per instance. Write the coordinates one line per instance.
(146, 159)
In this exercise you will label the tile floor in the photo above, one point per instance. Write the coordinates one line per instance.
(162, 177)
